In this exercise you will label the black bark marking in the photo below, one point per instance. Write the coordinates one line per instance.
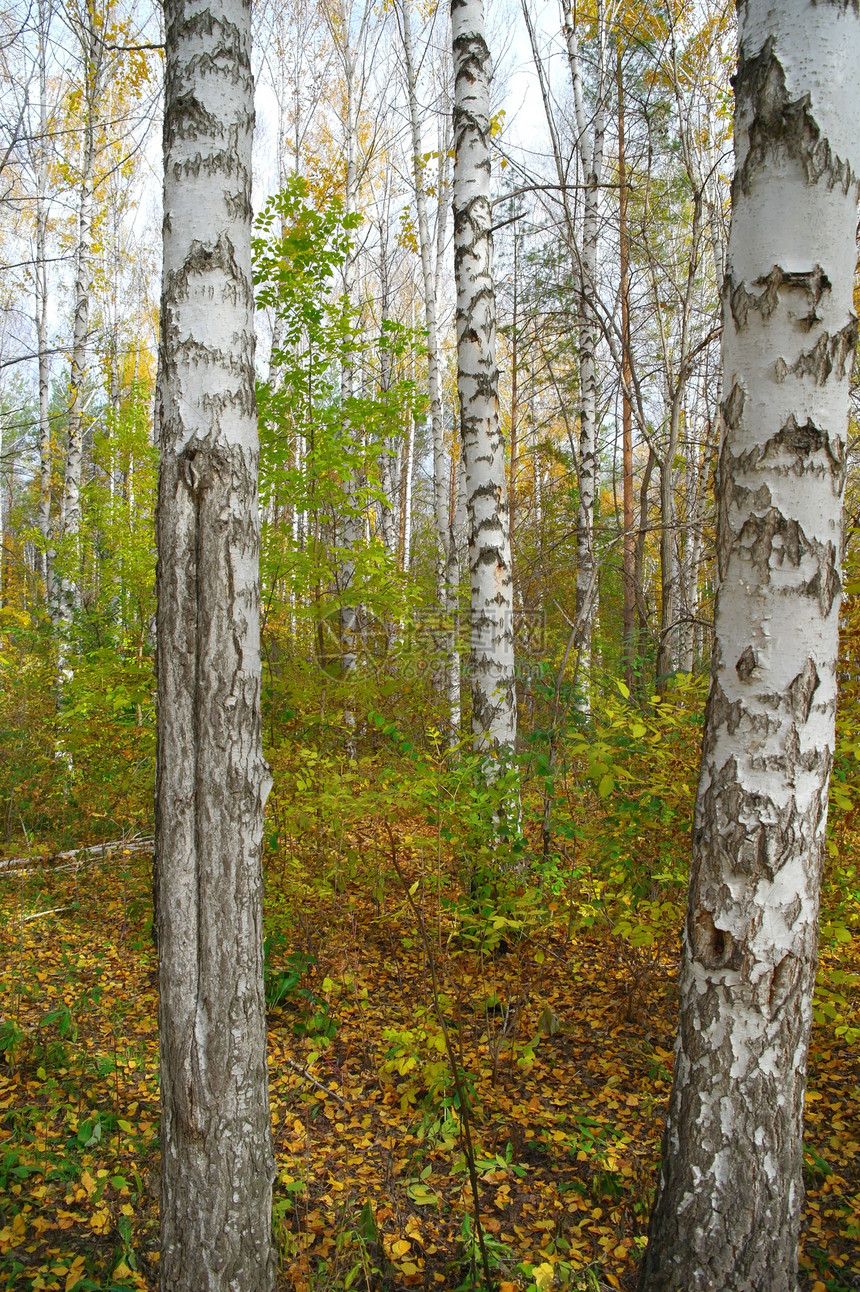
(784, 982)
(776, 123)
(814, 283)
(802, 691)
(829, 354)
(746, 665)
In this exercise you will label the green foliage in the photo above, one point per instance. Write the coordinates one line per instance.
(326, 421)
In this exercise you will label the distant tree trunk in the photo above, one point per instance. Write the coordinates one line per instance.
(447, 565)
(406, 471)
(628, 564)
(491, 662)
(728, 1206)
(387, 526)
(590, 140)
(41, 283)
(353, 523)
(92, 52)
(666, 651)
(216, 1151)
(428, 283)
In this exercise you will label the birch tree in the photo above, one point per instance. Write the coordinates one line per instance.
(491, 659)
(447, 562)
(728, 1206)
(589, 144)
(84, 22)
(217, 1163)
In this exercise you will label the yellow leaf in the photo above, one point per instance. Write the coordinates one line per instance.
(100, 1221)
(88, 1182)
(408, 1268)
(122, 1271)
(401, 1247)
(76, 1270)
(544, 1276)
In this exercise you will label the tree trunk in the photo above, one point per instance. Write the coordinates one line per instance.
(212, 781)
(728, 1206)
(41, 282)
(428, 281)
(353, 521)
(447, 565)
(666, 648)
(590, 140)
(491, 662)
(628, 629)
(69, 583)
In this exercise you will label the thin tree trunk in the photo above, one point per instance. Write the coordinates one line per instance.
(590, 147)
(728, 1207)
(386, 506)
(434, 385)
(515, 410)
(41, 276)
(628, 630)
(639, 556)
(69, 587)
(491, 662)
(216, 1151)
(353, 527)
(406, 495)
(447, 564)
(666, 652)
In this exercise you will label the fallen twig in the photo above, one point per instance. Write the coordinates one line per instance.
(308, 1076)
(37, 915)
(95, 851)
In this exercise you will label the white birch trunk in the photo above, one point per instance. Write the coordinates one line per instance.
(728, 1208)
(428, 281)
(212, 781)
(406, 494)
(447, 563)
(69, 589)
(41, 305)
(352, 524)
(491, 659)
(590, 140)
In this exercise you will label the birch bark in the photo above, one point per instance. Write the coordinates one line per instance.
(491, 660)
(217, 1164)
(446, 555)
(728, 1206)
(41, 294)
(92, 52)
(589, 142)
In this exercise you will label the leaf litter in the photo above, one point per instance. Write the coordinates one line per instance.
(565, 1047)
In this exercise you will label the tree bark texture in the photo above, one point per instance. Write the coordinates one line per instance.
(212, 781)
(628, 631)
(41, 294)
(590, 142)
(491, 661)
(728, 1206)
(91, 58)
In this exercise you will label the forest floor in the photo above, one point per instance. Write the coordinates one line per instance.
(565, 1043)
